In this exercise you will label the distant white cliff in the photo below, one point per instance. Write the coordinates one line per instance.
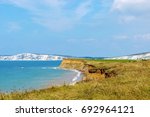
(144, 56)
(30, 56)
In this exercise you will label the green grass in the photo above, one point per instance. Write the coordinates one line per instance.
(105, 60)
(111, 60)
(132, 82)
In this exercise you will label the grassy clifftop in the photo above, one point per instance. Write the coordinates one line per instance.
(104, 79)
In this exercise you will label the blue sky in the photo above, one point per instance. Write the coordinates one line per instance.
(75, 27)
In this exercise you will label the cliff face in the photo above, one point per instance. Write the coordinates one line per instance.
(72, 64)
(90, 71)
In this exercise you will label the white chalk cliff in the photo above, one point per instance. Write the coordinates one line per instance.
(134, 56)
(30, 56)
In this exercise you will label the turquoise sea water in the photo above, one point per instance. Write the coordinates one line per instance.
(26, 75)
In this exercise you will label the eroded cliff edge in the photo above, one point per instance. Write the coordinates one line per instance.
(90, 70)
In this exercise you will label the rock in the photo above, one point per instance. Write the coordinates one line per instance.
(101, 71)
(110, 74)
(88, 67)
(92, 70)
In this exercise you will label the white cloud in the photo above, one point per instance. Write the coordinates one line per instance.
(142, 36)
(13, 27)
(131, 5)
(59, 24)
(26, 4)
(121, 37)
(86, 40)
(127, 18)
(83, 9)
(55, 3)
(53, 13)
(35, 4)
(136, 37)
(131, 10)
(71, 40)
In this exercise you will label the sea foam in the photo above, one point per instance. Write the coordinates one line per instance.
(77, 76)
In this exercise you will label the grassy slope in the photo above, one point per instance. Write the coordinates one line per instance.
(132, 82)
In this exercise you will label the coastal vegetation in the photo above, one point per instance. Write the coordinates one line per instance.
(103, 80)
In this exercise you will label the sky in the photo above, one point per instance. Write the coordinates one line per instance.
(98, 28)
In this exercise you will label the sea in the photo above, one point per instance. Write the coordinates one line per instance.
(30, 75)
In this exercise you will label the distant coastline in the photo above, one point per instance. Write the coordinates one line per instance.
(31, 57)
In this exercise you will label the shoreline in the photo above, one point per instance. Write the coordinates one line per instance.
(77, 78)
